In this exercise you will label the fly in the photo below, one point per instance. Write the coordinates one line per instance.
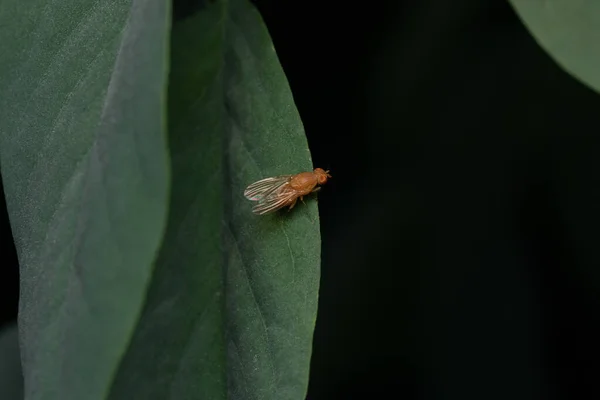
(274, 193)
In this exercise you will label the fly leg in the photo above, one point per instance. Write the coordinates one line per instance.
(293, 204)
(315, 190)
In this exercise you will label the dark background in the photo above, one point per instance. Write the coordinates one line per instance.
(460, 229)
(9, 268)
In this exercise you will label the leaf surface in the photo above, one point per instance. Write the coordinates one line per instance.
(234, 295)
(85, 171)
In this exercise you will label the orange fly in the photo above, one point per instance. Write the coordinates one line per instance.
(284, 190)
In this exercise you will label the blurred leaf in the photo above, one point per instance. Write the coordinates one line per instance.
(231, 305)
(569, 31)
(84, 165)
(11, 378)
(232, 121)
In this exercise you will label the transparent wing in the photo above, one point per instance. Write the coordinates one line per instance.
(275, 200)
(264, 187)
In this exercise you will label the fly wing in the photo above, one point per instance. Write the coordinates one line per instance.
(264, 187)
(275, 200)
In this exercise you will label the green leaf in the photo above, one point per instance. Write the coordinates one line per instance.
(234, 296)
(569, 31)
(11, 378)
(212, 302)
(85, 169)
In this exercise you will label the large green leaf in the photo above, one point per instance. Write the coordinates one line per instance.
(85, 169)
(231, 305)
(244, 334)
(569, 30)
